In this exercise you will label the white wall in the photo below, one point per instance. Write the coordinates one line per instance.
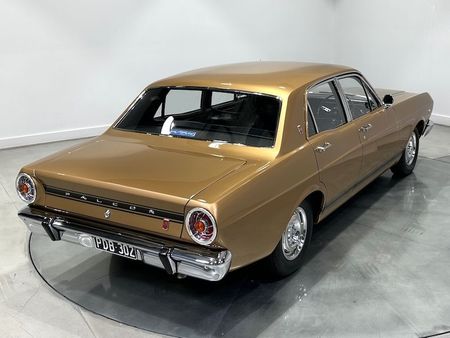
(68, 68)
(401, 44)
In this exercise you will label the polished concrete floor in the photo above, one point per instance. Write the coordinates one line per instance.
(379, 266)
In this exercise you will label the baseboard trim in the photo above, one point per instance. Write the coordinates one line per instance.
(53, 136)
(70, 134)
(441, 119)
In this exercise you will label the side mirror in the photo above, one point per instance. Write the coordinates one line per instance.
(388, 99)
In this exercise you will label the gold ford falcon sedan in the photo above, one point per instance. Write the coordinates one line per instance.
(214, 169)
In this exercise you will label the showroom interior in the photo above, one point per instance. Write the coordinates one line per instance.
(377, 266)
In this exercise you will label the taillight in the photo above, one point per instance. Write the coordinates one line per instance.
(201, 226)
(26, 188)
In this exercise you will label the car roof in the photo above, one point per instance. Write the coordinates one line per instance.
(276, 78)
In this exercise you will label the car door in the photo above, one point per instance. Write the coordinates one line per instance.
(371, 120)
(336, 142)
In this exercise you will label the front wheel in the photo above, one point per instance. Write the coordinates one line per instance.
(288, 254)
(407, 162)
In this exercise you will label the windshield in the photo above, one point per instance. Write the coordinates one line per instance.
(205, 114)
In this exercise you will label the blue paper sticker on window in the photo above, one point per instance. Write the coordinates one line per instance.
(183, 133)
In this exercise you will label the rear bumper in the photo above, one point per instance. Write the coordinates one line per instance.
(175, 258)
(428, 127)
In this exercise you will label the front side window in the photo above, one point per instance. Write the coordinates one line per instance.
(356, 97)
(326, 106)
(205, 114)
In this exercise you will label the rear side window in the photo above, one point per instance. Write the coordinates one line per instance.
(326, 106)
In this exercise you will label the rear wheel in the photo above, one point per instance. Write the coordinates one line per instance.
(407, 162)
(288, 254)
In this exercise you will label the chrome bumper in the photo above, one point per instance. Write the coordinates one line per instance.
(428, 127)
(175, 258)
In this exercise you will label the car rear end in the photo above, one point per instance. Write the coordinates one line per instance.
(126, 229)
(127, 192)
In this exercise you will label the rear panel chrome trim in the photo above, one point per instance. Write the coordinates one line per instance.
(113, 204)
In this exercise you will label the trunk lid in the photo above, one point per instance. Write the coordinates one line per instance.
(147, 183)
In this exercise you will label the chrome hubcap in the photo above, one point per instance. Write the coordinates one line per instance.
(410, 150)
(294, 236)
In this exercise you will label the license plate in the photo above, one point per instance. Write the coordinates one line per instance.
(117, 248)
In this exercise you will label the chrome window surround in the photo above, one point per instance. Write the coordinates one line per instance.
(309, 113)
(366, 86)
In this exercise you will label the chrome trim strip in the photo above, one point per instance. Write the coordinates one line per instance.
(344, 101)
(113, 204)
(309, 111)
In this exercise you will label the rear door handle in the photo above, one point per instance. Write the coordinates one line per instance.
(365, 128)
(323, 147)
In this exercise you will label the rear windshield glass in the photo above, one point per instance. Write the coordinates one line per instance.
(205, 114)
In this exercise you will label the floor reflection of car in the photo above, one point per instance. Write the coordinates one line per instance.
(213, 169)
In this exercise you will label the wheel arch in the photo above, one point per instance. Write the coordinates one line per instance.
(316, 200)
(420, 126)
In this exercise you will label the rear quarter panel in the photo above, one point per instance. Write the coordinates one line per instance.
(254, 205)
(409, 110)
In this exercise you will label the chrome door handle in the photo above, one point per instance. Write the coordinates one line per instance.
(365, 128)
(323, 147)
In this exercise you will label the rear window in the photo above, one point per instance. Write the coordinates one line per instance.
(205, 114)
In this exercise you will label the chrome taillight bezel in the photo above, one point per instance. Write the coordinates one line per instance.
(195, 236)
(30, 197)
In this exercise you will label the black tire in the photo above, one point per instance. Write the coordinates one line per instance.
(277, 263)
(405, 166)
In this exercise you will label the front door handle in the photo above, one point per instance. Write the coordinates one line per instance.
(323, 147)
(365, 128)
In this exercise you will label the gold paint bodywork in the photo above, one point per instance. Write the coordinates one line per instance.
(251, 191)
